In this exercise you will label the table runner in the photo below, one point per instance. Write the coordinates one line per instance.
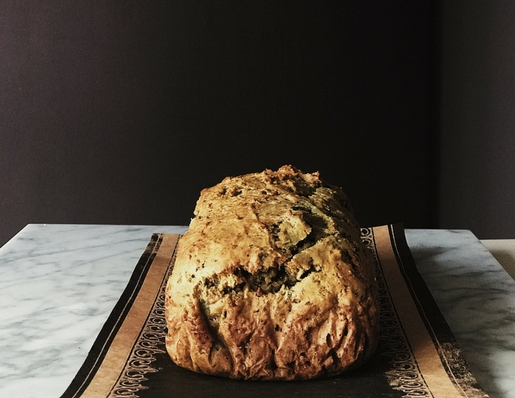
(417, 354)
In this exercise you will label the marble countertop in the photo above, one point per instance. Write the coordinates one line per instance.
(59, 284)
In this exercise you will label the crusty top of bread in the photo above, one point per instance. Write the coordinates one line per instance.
(272, 281)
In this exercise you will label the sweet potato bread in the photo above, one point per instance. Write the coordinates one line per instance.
(272, 281)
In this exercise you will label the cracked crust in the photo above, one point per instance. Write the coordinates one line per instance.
(272, 282)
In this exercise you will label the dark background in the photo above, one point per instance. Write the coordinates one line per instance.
(120, 112)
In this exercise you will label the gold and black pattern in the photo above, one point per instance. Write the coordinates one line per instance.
(417, 355)
(404, 374)
(143, 356)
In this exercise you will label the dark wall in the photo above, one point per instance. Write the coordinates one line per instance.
(122, 111)
(477, 189)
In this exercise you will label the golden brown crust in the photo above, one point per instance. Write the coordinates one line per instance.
(272, 281)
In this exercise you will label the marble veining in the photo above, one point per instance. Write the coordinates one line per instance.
(59, 284)
(477, 298)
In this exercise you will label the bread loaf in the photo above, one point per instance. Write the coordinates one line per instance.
(272, 282)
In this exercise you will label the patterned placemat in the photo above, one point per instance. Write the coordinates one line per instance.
(417, 354)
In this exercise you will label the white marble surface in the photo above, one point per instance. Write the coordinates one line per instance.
(59, 283)
(477, 298)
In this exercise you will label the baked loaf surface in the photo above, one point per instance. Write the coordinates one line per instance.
(272, 281)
